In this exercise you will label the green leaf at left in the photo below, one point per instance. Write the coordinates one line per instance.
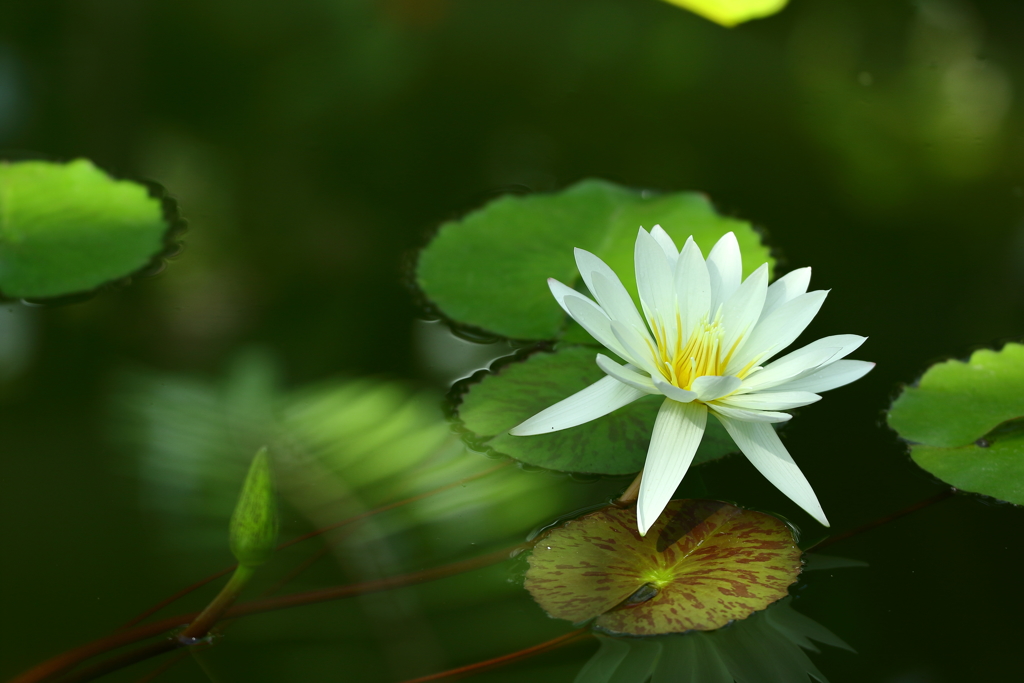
(69, 228)
(963, 420)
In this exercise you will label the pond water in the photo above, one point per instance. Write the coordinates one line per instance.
(315, 145)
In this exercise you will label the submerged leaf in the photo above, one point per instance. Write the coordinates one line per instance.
(963, 422)
(490, 268)
(768, 647)
(708, 562)
(615, 444)
(69, 228)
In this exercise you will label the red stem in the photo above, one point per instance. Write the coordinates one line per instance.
(494, 663)
(152, 675)
(71, 658)
(920, 505)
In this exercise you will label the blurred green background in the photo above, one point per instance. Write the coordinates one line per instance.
(313, 146)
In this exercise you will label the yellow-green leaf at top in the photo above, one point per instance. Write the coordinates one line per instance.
(731, 12)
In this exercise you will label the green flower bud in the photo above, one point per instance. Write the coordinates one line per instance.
(253, 529)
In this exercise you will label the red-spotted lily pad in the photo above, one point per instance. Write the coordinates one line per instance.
(702, 565)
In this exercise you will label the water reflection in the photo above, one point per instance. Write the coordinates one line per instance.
(767, 647)
(342, 450)
(942, 112)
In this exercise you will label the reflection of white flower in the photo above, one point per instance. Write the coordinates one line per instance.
(705, 339)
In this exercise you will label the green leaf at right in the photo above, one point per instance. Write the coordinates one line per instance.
(615, 444)
(69, 228)
(963, 422)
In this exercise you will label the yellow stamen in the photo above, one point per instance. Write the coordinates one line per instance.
(701, 355)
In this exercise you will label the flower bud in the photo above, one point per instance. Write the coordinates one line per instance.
(254, 523)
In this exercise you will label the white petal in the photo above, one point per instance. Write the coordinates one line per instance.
(771, 400)
(829, 377)
(562, 292)
(595, 401)
(762, 446)
(846, 343)
(710, 387)
(606, 287)
(778, 330)
(654, 279)
(677, 434)
(673, 392)
(637, 347)
(786, 288)
(743, 308)
(594, 320)
(693, 286)
(667, 244)
(725, 266)
(749, 415)
(626, 374)
(804, 361)
(788, 367)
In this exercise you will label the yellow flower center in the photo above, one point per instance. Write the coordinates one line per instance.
(702, 353)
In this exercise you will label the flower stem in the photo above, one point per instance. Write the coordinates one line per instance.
(71, 658)
(202, 624)
(630, 495)
(920, 505)
(478, 667)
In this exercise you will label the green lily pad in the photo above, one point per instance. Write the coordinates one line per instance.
(69, 228)
(963, 422)
(614, 444)
(490, 269)
(702, 565)
(731, 12)
(995, 469)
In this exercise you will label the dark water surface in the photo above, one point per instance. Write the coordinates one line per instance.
(314, 144)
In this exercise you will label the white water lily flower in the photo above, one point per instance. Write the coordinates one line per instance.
(703, 343)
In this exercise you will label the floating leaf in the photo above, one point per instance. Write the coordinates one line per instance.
(731, 12)
(69, 228)
(615, 444)
(490, 269)
(962, 420)
(702, 565)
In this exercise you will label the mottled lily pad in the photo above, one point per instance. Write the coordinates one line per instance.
(69, 228)
(964, 422)
(490, 269)
(703, 564)
(614, 444)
